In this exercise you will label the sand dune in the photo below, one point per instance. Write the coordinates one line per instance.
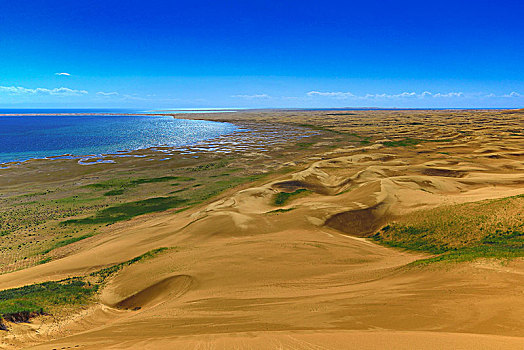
(243, 276)
(166, 289)
(364, 340)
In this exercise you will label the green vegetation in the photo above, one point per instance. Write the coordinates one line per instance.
(48, 296)
(210, 166)
(114, 192)
(304, 145)
(282, 198)
(410, 142)
(196, 194)
(127, 182)
(405, 142)
(319, 128)
(118, 186)
(66, 242)
(108, 271)
(129, 210)
(45, 260)
(77, 199)
(45, 296)
(16, 215)
(214, 188)
(34, 194)
(345, 191)
(485, 229)
(228, 172)
(362, 140)
(33, 225)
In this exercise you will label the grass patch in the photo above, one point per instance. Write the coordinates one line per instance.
(45, 296)
(405, 142)
(34, 194)
(228, 172)
(126, 182)
(411, 142)
(77, 199)
(305, 145)
(118, 186)
(200, 194)
(66, 242)
(282, 198)
(464, 232)
(319, 128)
(473, 253)
(114, 192)
(209, 166)
(108, 271)
(129, 210)
(192, 196)
(363, 140)
(45, 260)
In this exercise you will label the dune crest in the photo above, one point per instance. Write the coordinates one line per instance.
(166, 289)
(287, 263)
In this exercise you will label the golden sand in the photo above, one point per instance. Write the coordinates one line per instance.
(245, 276)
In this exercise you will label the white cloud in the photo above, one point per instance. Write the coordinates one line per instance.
(513, 94)
(256, 96)
(102, 93)
(449, 94)
(62, 91)
(66, 74)
(395, 96)
(122, 96)
(336, 94)
(402, 95)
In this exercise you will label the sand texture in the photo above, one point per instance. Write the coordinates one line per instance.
(243, 274)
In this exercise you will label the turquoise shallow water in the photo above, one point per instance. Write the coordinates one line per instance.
(26, 137)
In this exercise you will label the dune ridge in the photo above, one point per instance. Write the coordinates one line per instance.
(248, 273)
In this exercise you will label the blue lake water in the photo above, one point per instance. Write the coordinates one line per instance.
(26, 137)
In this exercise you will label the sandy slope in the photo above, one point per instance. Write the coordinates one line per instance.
(313, 340)
(241, 277)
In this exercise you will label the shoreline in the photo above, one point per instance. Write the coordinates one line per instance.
(117, 153)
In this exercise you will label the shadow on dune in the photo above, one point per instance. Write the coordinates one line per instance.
(168, 288)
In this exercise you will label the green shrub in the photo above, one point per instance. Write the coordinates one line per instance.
(114, 192)
(282, 197)
(129, 210)
(66, 242)
(489, 229)
(43, 296)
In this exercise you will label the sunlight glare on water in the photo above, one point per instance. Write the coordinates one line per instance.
(26, 137)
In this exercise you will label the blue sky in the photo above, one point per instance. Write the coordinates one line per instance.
(198, 54)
